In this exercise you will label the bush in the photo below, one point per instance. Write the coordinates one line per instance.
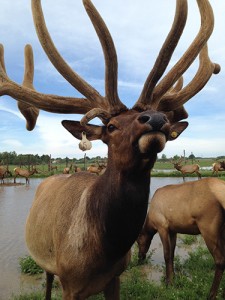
(29, 266)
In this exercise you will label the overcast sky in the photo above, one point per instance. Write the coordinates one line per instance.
(138, 29)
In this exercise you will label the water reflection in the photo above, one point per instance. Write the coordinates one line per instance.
(15, 202)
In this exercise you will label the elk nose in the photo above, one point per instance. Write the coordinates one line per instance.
(156, 120)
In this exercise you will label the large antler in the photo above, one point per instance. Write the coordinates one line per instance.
(159, 96)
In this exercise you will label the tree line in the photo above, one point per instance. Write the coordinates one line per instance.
(12, 158)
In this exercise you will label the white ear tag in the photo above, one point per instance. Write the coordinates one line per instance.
(85, 144)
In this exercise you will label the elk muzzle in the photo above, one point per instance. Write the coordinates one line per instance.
(155, 136)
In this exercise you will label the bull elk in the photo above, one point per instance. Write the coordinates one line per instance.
(24, 173)
(218, 166)
(86, 239)
(3, 172)
(196, 207)
(186, 169)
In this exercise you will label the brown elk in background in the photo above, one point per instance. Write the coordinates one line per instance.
(186, 169)
(98, 170)
(54, 168)
(24, 173)
(77, 169)
(218, 166)
(196, 207)
(3, 172)
(67, 169)
(86, 239)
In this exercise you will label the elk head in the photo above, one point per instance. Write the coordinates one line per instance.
(154, 118)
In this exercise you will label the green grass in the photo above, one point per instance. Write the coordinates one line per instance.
(193, 279)
(188, 239)
(29, 266)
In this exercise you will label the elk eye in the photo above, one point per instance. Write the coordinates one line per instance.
(111, 128)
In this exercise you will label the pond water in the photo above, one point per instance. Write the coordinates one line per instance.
(15, 202)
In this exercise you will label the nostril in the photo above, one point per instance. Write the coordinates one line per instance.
(144, 119)
(155, 120)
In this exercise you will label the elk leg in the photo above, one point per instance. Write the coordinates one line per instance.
(216, 282)
(112, 290)
(216, 248)
(49, 281)
(173, 240)
(199, 175)
(144, 242)
(167, 250)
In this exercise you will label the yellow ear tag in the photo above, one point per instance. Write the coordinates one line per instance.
(174, 134)
(85, 144)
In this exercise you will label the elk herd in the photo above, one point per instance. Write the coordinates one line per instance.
(86, 240)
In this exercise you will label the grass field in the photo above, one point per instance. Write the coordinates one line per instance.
(194, 275)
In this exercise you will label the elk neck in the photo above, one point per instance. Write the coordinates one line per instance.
(120, 200)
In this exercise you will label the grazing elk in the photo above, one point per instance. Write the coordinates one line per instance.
(3, 172)
(67, 169)
(94, 220)
(24, 173)
(187, 169)
(195, 207)
(218, 166)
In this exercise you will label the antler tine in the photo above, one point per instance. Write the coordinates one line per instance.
(164, 56)
(2, 61)
(29, 112)
(3, 75)
(171, 100)
(63, 68)
(50, 103)
(111, 64)
(206, 28)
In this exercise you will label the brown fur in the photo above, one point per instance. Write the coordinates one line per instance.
(96, 169)
(219, 166)
(187, 169)
(77, 169)
(54, 168)
(87, 237)
(196, 207)
(67, 169)
(24, 173)
(3, 172)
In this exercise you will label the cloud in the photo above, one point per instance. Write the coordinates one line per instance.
(12, 143)
(139, 29)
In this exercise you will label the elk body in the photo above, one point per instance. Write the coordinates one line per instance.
(54, 168)
(3, 172)
(98, 170)
(24, 173)
(196, 207)
(218, 166)
(187, 169)
(67, 169)
(94, 220)
(77, 169)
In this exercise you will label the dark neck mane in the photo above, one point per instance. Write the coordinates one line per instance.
(121, 208)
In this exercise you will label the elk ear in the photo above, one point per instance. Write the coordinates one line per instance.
(176, 129)
(93, 132)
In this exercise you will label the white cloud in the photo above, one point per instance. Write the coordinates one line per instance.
(12, 143)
